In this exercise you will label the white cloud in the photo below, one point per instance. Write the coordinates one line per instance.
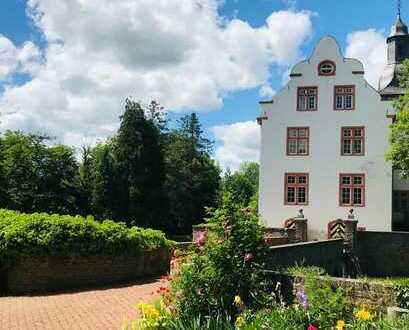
(266, 92)
(14, 59)
(369, 47)
(181, 53)
(240, 143)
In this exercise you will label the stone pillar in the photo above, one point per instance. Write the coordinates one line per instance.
(351, 227)
(301, 227)
(291, 234)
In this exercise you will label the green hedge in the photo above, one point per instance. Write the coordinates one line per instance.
(41, 233)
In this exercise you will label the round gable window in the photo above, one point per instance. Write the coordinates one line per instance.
(326, 68)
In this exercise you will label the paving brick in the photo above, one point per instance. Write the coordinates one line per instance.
(98, 309)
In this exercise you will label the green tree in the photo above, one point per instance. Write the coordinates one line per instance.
(398, 151)
(242, 185)
(39, 177)
(192, 177)
(85, 181)
(140, 167)
(4, 200)
(103, 195)
(156, 114)
(58, 179)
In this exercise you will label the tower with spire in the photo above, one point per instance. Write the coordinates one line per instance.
(398, 51)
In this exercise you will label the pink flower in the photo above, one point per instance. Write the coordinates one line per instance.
(201, 238)
(312, 327)
(268, 240)
(248, 256)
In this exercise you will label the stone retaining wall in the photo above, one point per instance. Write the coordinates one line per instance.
(363, 293)
(62, 271)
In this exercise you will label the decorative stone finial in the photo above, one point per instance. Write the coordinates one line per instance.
(300, 214)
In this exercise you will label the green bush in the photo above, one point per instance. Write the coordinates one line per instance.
(225, 274)
(41, 233)
(326, 304)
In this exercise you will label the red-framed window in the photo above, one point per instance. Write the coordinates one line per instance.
(296, 188)
(353, 141)
(298, 140)
(352, 190)
(307, 98)
(344, 98)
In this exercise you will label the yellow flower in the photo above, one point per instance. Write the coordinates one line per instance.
(340, 325)
(364, 315)
(148, 311)
(240, 321)
(237, 300)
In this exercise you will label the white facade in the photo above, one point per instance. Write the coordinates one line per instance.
(324, 163)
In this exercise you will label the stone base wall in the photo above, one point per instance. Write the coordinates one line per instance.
(371, 295)
(61, 271)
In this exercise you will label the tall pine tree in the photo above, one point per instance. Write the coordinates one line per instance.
(140, 167)
(192, 179)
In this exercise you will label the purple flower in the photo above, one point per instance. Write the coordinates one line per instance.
(302, 299)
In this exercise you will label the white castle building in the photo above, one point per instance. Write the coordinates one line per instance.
(323, 142)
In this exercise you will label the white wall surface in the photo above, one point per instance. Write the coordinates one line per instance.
(324, 163)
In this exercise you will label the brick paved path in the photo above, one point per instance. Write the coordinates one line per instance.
(105, 308)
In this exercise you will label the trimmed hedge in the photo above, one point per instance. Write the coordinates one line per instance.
(41, 233)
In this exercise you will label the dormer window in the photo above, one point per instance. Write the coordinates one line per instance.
(326, 68)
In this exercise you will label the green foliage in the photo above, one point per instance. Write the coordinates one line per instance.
(39, 177)
(41, 233)
(230, 264)
(140, 168)
(144, 175)
(85, 181)
(192, 177)
(242, 185)
(398, 151)
(296, 319)
(306, 271)
(326, 304)
(103, 176)
(278, 319)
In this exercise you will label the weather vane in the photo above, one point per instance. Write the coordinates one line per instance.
(399, 7)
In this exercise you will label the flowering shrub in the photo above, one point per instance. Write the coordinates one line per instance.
(224, 274)
(325, 305)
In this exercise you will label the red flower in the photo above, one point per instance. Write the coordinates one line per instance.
(312, 327)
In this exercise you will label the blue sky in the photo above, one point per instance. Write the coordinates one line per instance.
(229, 103)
